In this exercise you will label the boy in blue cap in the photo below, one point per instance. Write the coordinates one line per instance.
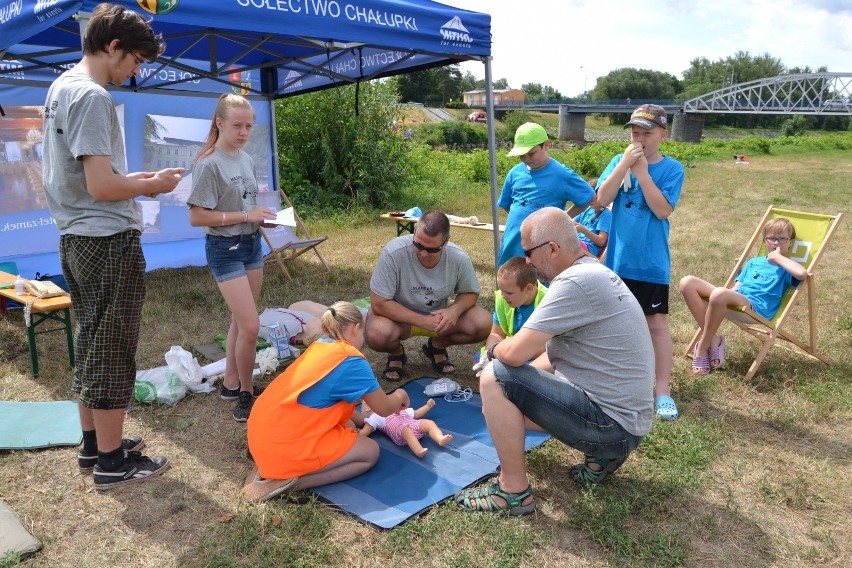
(644, 187)
(538, 181)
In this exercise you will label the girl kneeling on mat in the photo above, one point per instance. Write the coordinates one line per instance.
(301, 431)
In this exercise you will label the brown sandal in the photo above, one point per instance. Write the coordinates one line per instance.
(402, 358)
(444, 367)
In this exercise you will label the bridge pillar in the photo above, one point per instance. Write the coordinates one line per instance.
(572, 126)
(687, 127)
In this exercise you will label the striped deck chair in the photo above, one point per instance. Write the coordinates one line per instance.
(286, 243)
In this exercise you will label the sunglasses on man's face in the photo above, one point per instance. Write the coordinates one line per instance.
(528, 252)
(430, 250)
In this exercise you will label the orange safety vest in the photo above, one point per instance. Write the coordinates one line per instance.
(288, 439)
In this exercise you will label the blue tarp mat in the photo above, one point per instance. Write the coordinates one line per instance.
(25, 425)
(401, 486)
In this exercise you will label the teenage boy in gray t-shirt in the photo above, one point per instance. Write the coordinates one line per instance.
(92, 199)
(593, 387)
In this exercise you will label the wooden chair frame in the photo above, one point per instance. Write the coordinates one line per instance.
(768, 331)
(293, 249)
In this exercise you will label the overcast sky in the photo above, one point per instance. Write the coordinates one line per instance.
(568, 44)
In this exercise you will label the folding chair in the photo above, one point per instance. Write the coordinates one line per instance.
(813, 232)
(286, 244)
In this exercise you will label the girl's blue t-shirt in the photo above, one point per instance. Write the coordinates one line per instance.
(597, 225)
(764, 283)
(349, 381)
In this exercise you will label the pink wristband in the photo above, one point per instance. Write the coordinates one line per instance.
(223, 218)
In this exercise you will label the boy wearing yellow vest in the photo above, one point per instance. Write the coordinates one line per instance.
(518, 295)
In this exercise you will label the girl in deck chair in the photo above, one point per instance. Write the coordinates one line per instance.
(760, 285)
(224, 203)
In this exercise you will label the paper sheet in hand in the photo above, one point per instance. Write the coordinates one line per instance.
(284, 217)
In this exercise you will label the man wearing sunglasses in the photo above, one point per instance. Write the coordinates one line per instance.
(592, 389)
(410, 291)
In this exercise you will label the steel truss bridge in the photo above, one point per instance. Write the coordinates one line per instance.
(806, 93)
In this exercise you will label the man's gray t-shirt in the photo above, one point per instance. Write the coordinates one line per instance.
(601, 341)
(80, 120)
(223, 182)
(399, 276)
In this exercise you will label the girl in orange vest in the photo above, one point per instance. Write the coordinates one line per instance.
(301, 430)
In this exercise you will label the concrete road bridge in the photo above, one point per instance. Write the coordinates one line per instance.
(814, 94)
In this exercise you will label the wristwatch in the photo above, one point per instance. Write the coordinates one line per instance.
(490, 351)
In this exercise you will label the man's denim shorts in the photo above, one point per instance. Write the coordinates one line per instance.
(231, 257)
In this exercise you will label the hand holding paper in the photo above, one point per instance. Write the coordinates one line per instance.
(284, 217)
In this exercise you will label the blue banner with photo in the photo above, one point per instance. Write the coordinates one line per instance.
(160, 131)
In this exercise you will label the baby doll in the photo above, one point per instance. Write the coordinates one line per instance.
(406, 427)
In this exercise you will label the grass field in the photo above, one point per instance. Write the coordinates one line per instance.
(754, 473)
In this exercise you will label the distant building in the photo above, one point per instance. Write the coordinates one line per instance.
(172, 153)
(502, 97)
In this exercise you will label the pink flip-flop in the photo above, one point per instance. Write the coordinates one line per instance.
(700, 363)
(717, 354)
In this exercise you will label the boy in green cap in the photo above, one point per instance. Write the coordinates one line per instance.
(538, 181)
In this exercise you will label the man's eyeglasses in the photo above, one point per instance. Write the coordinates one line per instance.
(776, 240)
(430, 250)
(528, 252)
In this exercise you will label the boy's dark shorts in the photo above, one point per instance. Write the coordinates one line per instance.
(653, 298)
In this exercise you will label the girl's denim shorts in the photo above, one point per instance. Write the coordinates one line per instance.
(231, 257)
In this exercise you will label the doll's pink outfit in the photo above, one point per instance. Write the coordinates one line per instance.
(394, 424)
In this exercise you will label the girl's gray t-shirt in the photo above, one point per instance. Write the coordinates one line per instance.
(223, 182)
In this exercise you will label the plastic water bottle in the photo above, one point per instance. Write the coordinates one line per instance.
(19, 285)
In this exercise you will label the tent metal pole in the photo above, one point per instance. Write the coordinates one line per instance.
(273, 136)
(492, 159)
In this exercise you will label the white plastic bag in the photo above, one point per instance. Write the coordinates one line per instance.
(267, 360)
(186, 367)
(159, 384)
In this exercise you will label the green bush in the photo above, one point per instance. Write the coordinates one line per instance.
(333, 156)
(511, 122)
(794, 126)
(456, 104)
(453, 134)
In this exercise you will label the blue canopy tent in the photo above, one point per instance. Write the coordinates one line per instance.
(264, 49)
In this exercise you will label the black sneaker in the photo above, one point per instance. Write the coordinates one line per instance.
(136, 468)
(243, 407)
(87, 461)
(233, 394)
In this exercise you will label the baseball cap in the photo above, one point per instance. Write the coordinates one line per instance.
(648, 116)
(528, 136)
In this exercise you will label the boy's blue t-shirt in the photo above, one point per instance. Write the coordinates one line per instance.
(764, 283)
(522, 314)
(526, 191)
(349, 381)
(598, 225)
(638, 247)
